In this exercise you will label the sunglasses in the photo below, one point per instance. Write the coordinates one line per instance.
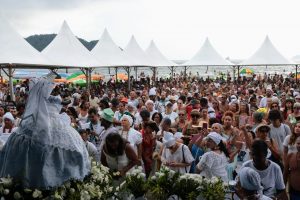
(181, 114)
(195, 116)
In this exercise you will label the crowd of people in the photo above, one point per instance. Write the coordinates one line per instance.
(246, 130)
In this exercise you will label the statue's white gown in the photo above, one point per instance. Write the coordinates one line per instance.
(45, 150)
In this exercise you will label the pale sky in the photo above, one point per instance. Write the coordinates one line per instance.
(236, 28)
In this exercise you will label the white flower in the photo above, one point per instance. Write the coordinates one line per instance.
(2, 198)
(143, 175)
(17, 195)
(84, 195)
(7, 182)
(214, 180)
(72, 190)
(117, 189)
(36, 194)
(6, 192)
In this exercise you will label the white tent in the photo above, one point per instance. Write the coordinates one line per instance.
(207, 56)
(136, 54)
(107, 51)
(296, 59)
(67, 50)
(15, 50)
(157, 57)
(267, 54)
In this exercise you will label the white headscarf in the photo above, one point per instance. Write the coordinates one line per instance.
(149, 101)
(250, 179)
(216, 137)
(169, 139)
(9, 116)
(129, 118)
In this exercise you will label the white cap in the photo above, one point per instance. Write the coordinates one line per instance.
(152, 92)
(216, 137)
(169, 139)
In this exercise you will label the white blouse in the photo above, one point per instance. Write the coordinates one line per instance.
(133, 137)
(213, 164)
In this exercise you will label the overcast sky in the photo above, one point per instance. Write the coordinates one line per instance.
(236, 28)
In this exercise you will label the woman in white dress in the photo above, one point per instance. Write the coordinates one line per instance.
(44, 151)
(213, 163)
(131, 135)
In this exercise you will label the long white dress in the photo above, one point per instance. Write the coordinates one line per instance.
(45, 151)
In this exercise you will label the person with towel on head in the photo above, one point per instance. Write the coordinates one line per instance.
(8, 126)
(249, 185)
(131, 135)
(176, 156)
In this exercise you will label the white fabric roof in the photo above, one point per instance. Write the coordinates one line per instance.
(14, 49)
(267, 54)
(136, 54)
(207, 56)
(107, 51)
(157, 57)
(296, 59)
(67, 50)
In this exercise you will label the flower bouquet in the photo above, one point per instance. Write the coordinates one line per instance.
(161, 185)
(187, 186)
(136, 182)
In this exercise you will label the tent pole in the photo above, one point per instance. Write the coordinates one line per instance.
(87, 78)
(116, 76)
(233, 72)
(172, 71)
(296, 73)
(238, 68)
(184, 72)
(128, 74)
(90, 77)
(11, 86)
(1, 76)
(136, 73)
(109, 70)
(154, 76)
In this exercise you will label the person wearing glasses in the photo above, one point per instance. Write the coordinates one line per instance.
(294, 117)
(181, 121)
(191, 127)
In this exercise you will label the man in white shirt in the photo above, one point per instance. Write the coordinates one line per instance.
(269, 172)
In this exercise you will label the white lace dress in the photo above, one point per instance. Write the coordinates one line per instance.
(45, 151)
